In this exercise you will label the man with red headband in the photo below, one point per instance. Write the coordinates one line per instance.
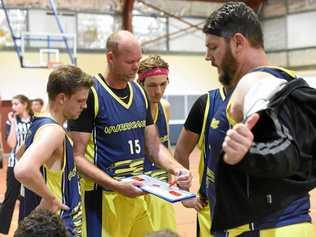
(153, 77)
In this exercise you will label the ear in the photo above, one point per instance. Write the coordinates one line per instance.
(237, 43)
(109, 57)
(60, 98)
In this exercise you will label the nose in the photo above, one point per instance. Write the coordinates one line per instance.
(135, 66)
(84, 105)
(209, 57)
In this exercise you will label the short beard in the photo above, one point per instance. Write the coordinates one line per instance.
(229, 67)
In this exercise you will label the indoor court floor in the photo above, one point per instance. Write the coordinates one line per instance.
(186, 221)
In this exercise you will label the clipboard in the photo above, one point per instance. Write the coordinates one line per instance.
(161, 189)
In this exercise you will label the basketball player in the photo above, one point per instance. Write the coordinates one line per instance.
(153, 77)
(47, 166)
(205, 126)
(115, 133)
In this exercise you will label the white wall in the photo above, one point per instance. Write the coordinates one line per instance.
(189, 74)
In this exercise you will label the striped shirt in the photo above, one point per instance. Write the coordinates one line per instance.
(21, 131)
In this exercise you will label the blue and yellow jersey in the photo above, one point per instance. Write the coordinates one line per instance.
(116, 144)
(214, 133)
(297, 211)
(63, 183)
(161, 122)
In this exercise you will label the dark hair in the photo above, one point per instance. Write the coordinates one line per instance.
(67, 79)
(41, 223)
(39, 100)
(25, 100)
(235, 17)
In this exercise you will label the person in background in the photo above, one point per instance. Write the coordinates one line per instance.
(17, 125)
(1, 143)
(37, 105)
(153, 77)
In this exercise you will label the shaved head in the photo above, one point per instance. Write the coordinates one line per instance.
(121, 40)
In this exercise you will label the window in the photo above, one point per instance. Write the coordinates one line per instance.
(93, 30)
(18, 22)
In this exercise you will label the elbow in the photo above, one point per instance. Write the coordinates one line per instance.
(11, 144)
(22, 172)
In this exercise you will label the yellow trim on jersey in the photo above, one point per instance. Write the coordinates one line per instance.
(222, 93)
(53, 182)
(238, 230)
(54, 178)
(229, 116)
(96, 101)
(118, 99)
(156, 114)
(88, 184)
(290, 72)
(144, 94)
(201, 138)
(164, 104)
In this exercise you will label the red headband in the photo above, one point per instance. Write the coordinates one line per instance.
(153, 72)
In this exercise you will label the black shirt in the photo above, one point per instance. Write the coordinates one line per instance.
(85, 122)
(194, 121)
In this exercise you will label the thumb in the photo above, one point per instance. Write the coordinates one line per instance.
(252, 120)
(64, 207)
(136, 183)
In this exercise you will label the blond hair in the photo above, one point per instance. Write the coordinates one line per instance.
(151, 62)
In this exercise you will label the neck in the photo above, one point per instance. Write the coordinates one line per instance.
(253, 59)
(56, 113)
(228, 89)
(25, 115)
(114, 81)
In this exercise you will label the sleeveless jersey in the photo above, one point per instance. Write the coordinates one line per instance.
(163, 130)
(215, 131)
(116, 144)
(64, 183)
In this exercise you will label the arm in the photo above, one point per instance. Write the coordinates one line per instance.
(41, 151)
(11, 137)
(185, 145)
(190, 134)
(253, 151)
(1, 149)
(161, 156)
(94, 173)
(188, 139)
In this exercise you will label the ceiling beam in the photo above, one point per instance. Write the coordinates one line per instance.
(127, 15)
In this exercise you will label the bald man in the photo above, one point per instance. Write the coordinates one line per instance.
(111, 139)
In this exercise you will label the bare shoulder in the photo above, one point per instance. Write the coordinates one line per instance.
(251, 79)
(53, 133)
